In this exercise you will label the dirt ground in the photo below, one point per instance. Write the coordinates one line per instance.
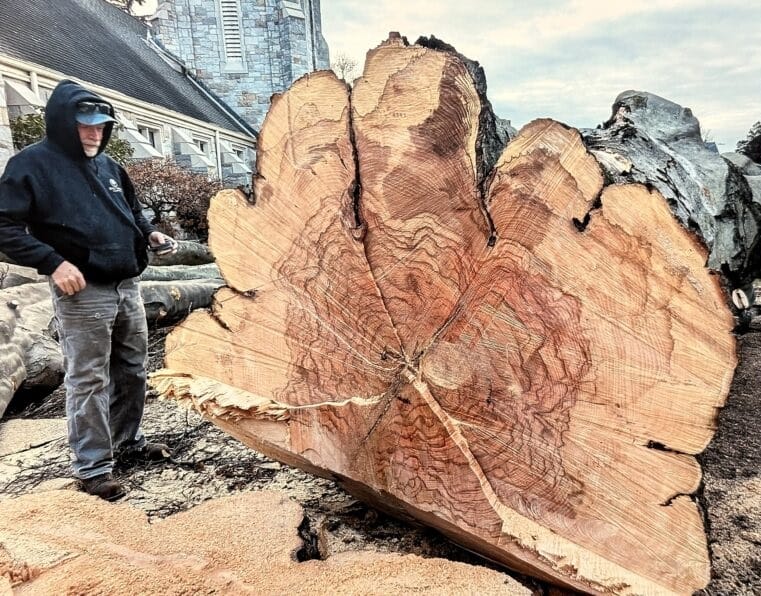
(731, 492)
(208, 464)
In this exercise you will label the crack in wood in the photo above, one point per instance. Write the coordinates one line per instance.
(556, 551)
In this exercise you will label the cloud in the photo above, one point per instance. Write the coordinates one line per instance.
(569, 59)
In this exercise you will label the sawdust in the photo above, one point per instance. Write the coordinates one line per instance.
(242, 544)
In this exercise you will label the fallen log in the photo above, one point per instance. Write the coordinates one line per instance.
(188, 253)
(16, 275)
(14, 344)
(31, 363)
(169, 301)
(654, 141)
(180, 272)
(522, 358)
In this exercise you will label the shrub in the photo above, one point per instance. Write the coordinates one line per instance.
(175, 194)
(27, 129)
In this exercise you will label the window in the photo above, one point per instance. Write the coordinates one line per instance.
(152, 134)
(203, 145)
(231, 30)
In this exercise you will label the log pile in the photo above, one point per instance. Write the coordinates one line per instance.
(31, 364)
(520, 355)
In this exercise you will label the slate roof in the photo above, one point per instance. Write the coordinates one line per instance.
(96, 42)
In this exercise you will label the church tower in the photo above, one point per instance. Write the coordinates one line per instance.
(244, 50)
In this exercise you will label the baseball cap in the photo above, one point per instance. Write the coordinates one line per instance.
(93, 112)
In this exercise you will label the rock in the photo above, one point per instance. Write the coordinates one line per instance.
(662, 141)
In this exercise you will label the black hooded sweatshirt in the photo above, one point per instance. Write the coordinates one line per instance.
(57, 204)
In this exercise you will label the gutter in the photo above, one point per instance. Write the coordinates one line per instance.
(23, 70)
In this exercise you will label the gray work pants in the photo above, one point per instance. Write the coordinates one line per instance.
(103, 334)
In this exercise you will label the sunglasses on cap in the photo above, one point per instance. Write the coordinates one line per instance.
(90, 107)
(93, 113)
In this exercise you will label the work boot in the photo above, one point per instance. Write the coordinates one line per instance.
(147, 453)
(103, 486)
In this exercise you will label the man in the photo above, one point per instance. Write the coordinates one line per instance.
(70, 211)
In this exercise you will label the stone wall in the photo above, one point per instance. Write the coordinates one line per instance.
(281, 41)
(6, 140)
(320, 49)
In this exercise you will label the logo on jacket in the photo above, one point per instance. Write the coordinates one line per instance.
(113, 185)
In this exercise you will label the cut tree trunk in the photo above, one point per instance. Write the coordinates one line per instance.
(525, 360)
(169, 301)
(30, 359)
(188, 253)
(180, 272)
(15, 275)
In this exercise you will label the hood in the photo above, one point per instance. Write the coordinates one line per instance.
(60, 122)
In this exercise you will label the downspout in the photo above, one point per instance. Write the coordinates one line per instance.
(313, 34)
(218, 149)
(34, 83)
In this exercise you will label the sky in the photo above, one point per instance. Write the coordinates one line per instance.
(569, 59)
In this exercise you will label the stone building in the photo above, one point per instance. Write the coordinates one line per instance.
(243, 50)
(192, 82)
(162, 109)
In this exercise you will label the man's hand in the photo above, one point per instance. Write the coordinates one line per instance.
(68, 278)
(162, 244)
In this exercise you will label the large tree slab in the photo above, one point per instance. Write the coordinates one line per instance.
(525, 361)
(31, 362)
